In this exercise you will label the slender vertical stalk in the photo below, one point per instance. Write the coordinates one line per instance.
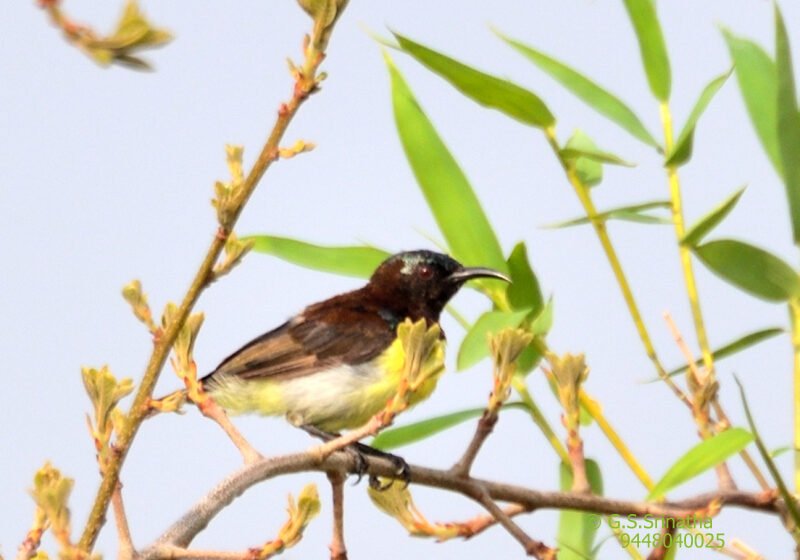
(613, 260)
(539, 419)
(683, 251)
(794, 310)
(700, 411)
(596, 412)
(305, 84)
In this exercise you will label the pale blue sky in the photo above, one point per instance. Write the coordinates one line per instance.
(106, 176)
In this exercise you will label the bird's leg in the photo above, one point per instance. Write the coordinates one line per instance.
(359, 451)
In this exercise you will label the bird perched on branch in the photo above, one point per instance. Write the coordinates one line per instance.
(330, 367)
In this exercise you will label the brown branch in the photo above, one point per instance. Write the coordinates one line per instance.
(183, 531)
(485, 426)
(213, 411)
(480, 523)
(126, 550)
(338, 549)
(532, 547)
(699, 385)
(305, 84)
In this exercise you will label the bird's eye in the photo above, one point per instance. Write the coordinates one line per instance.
(425, 271)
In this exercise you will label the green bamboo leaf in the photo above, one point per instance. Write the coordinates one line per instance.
(750, 268)
(778, 451)
(577, 530)
(741, 343)
(682, 150)
(599, 99)
(589, 170)
(631, 213)
(475, 345)
(788, 122)
(703, 456)
(524, 291)
(411, 433)
(651, 46)
(595, 155)
(708, 222)
(495, 93)
(758, 81)
(788, 498)
(539, 325)
(446, 189)
(356, 261)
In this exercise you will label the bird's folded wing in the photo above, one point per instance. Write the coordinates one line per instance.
(307, 344)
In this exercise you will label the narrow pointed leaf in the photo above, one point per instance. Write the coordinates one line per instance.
(599, 99)
(524, 291)
(750, 268)
(741, 343)
(682, 151)
(778, 451)
(539, 325)
(788, 498)
(633, 213)
(703, 456)
(651, 46)
(542, 322)
(490, 91)
(708, 222)
(589, 170)
(410, 433)
(577, 530)
(595, 154)
(758, 82)
(360, 262)
(449, 195)
(475, 345)
(788, 122)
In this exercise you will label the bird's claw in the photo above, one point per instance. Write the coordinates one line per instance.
(361, 465)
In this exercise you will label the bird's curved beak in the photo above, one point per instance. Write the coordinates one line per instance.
(470, 272)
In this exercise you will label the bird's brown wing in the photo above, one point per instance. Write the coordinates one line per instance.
(317, 339)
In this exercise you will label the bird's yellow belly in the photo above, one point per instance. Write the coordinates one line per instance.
(339, 398)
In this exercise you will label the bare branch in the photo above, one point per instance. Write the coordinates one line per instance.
(482, 431)
(126, 550)
(532, 547)
(338, 549)
(183, 531)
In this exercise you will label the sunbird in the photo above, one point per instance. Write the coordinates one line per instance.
(329, 368)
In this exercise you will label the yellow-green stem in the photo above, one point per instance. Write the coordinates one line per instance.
(794, 310)
(613, 260)
(539, 419)
(676, 200)
(596, 412)
(683, 251)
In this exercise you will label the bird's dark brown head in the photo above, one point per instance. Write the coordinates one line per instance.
(420, 283)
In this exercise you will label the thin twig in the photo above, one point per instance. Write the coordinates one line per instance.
(305, 84)
(178, 553)
(126, 550)
(484, 428)
(480, 523)
(532, 547)
(212, 410)
(699, 410)
(338, 548)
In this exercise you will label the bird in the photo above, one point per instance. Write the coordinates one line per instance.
(326, 369)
